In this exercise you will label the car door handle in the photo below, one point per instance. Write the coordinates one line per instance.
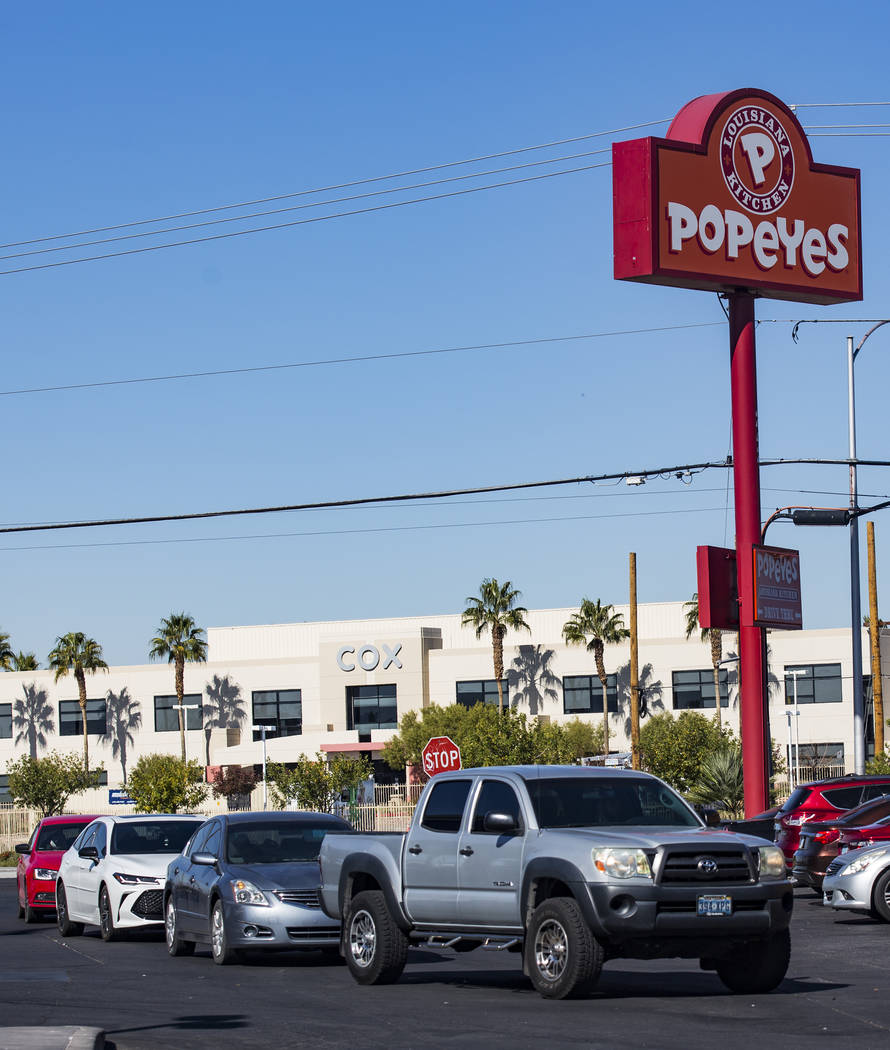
(192, 879)
(176, 871)
(415, 850)
(466, 851)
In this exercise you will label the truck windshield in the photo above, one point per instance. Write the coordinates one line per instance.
(596, 802)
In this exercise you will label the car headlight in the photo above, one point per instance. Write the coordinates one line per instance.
(246, 893)
(46, 874)
(771, 861)
(621, 863)
(861, 863)
(133, 880)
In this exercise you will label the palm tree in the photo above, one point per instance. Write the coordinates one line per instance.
(6, 653)
(179, 639)
(122, 717)
(33, 718)
(708, 634)
(76, 653)
(495, 609)
(595, 626)
(25, 661)
(223, 709)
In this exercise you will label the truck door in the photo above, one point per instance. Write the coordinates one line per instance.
(431, 854)
(489, 863)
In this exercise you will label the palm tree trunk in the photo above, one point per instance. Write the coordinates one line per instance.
(180, 693)
(497, 645)
(601, 672)
(124, 758)
(82, 700)
(716, 655)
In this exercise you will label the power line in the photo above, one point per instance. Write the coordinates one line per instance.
(334, 186)
(350, 360)
(303, 222)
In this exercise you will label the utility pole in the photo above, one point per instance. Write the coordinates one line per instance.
(634, 669)
(874, 630)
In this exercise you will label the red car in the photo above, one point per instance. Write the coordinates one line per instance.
(869, 835)
(823, 800)
(39, 860)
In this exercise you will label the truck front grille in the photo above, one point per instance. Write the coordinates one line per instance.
(704, 866)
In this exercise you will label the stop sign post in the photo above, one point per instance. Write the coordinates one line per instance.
(440, 755)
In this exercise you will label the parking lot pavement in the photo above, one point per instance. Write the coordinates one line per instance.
(835, 994)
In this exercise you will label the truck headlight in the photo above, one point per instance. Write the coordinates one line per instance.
(861, 863)
(771, 862)
(245, 892)
(621, 863)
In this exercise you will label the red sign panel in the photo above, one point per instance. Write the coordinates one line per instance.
(777, 588)
(718, 588)
(440, 754)
(732, 199)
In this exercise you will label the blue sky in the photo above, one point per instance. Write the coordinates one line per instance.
(114, 113)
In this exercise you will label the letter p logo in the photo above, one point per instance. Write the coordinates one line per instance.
(759, 151)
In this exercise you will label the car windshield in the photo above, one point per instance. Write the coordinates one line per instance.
(151, 836)
(797, 798)
(58, 836)
(595, 802)
(277, 842)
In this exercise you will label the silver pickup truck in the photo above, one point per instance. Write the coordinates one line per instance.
(571, 866)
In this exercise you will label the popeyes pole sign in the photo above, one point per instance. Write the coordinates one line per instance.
(732, 202)
(733, 199)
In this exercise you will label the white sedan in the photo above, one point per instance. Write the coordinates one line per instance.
(113, 874)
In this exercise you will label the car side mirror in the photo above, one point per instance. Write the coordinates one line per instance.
(503, 823)
(711, 818)
(89, 853)
(22, 848)
(206, 859)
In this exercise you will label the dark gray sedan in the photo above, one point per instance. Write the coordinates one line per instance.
(250, 880)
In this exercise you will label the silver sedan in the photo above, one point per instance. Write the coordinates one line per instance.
(860, 881)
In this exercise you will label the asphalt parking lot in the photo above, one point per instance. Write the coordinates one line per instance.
(836, 994)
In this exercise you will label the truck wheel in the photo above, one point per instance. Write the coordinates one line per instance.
(757, 967)
(562, 957)
(375, 948)
(880, 897)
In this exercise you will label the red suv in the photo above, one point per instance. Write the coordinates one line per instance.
(39, 860)
(823, 800)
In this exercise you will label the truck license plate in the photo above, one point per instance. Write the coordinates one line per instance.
(714, 904)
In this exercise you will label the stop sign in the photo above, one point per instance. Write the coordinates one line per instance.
(440, 754)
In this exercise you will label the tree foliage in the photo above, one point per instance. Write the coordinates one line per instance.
(880, 764)
(316, 784)
(80, 655)
(234, 780)
(166, 784)
(495, 610)
(487, 738)
(721, 781)
(181, 640)
(674, 748)
(46, 784)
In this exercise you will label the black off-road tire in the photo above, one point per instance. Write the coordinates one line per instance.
(66, 927)
(561, 955)
(880, 897)
(374, 947)
(757, 967)
(176, 946)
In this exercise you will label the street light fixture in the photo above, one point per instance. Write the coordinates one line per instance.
(795, 673)
(262, 730)
(184, 708)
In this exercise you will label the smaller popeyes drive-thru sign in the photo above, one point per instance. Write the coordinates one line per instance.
(733, 199)
(440, 755)
(777, 600)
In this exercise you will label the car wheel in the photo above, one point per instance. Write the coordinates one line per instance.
(106, 918)
(222, 954)
(31, 915)
(562, 957)
(759, 966)
(67, 928)
(175, 944)
(375, 949)
(880, 897)
(18, 901)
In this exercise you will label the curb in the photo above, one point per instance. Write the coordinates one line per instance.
(55, 1037)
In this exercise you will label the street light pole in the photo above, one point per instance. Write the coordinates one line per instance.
(794, 674)
(184, 708)
(789, 751)
(262, 730)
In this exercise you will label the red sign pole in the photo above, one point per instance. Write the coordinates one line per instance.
(746, 477)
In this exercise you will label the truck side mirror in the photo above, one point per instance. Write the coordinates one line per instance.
(503, 823)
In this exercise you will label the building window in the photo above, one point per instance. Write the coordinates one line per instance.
(694, 690)
(370, 707)
(582, 694)
(71, 722)
(5, 721)
(5, 797)
(282, 709)
(482, 692)
(819, 684)
(167, 718)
